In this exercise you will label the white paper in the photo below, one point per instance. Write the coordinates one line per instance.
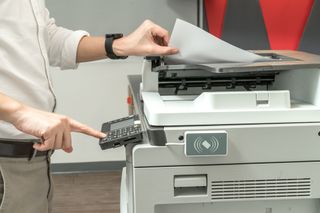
(197, 46)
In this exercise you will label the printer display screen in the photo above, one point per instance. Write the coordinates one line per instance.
(122, 124)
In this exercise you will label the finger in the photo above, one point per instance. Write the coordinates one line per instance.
(67, 144)
(162, 50)
(79, 127)
(38, 146)
(49, 143)
(58, 141)
(46, 145)
(158, 31)
(68, 150)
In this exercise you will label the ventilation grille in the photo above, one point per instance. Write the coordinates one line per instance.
(255, 189)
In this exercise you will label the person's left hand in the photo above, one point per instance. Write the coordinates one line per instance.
(147, 40)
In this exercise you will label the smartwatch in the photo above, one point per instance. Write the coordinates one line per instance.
(108, 46)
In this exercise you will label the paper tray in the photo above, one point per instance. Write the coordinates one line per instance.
(283, 60)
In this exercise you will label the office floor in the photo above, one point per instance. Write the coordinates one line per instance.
(87, 193)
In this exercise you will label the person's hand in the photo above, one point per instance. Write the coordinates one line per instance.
(149, 39)
(53, 129)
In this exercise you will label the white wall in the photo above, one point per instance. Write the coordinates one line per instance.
(97, 91)
(93, 94)
(106, 16)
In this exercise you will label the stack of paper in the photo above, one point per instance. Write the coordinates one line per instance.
(197, 46)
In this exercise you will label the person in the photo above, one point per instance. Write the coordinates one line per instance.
(30, 41)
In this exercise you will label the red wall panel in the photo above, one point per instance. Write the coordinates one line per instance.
(215, 10)
(285, 21)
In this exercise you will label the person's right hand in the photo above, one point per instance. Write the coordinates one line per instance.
(147, 40)
(53, 129)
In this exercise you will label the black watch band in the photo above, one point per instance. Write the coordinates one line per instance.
(108, 46)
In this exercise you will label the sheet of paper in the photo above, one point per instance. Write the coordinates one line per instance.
(197, 46)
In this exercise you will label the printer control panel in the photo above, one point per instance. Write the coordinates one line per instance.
(121, 132)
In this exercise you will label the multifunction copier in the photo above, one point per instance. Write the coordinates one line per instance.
(226, 138)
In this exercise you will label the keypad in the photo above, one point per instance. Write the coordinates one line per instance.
(122, 133)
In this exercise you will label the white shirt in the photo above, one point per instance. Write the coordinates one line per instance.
(30, 42)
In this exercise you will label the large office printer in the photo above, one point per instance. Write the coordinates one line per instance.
(226, 138)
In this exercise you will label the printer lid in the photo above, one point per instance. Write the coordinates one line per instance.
(281, 60)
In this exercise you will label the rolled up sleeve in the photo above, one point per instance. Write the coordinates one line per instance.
(62, 44)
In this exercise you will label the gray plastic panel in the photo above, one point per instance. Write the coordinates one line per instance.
(244, 26)
(310, 41)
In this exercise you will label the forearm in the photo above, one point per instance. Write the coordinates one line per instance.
(54, 130)
(148, 39)
(9, 108)
(90, 49)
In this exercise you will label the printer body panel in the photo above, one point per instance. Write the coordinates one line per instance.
(271, 161)
(282, 185)
(160, 113)
(246, 144)
(304, 85)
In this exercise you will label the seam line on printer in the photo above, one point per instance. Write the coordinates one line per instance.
(231, 164)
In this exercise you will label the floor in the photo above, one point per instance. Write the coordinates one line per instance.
(87, 193)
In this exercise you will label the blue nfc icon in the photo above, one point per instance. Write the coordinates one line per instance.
(202, 145)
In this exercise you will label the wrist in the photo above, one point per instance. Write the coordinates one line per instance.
(119, 47)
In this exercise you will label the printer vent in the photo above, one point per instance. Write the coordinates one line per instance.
(260, 189)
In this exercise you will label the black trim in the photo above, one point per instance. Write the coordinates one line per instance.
(156, 135)
(244, 25)
(198, 9)
(310, 39)
(62, 168)
(205, 18)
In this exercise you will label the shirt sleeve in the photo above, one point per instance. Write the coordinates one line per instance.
(62, 44)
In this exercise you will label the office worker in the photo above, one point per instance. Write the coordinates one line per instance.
(30, 41)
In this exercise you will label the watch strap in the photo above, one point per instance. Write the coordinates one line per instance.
(109, 46)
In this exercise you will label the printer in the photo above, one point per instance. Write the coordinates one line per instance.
(226, 138)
